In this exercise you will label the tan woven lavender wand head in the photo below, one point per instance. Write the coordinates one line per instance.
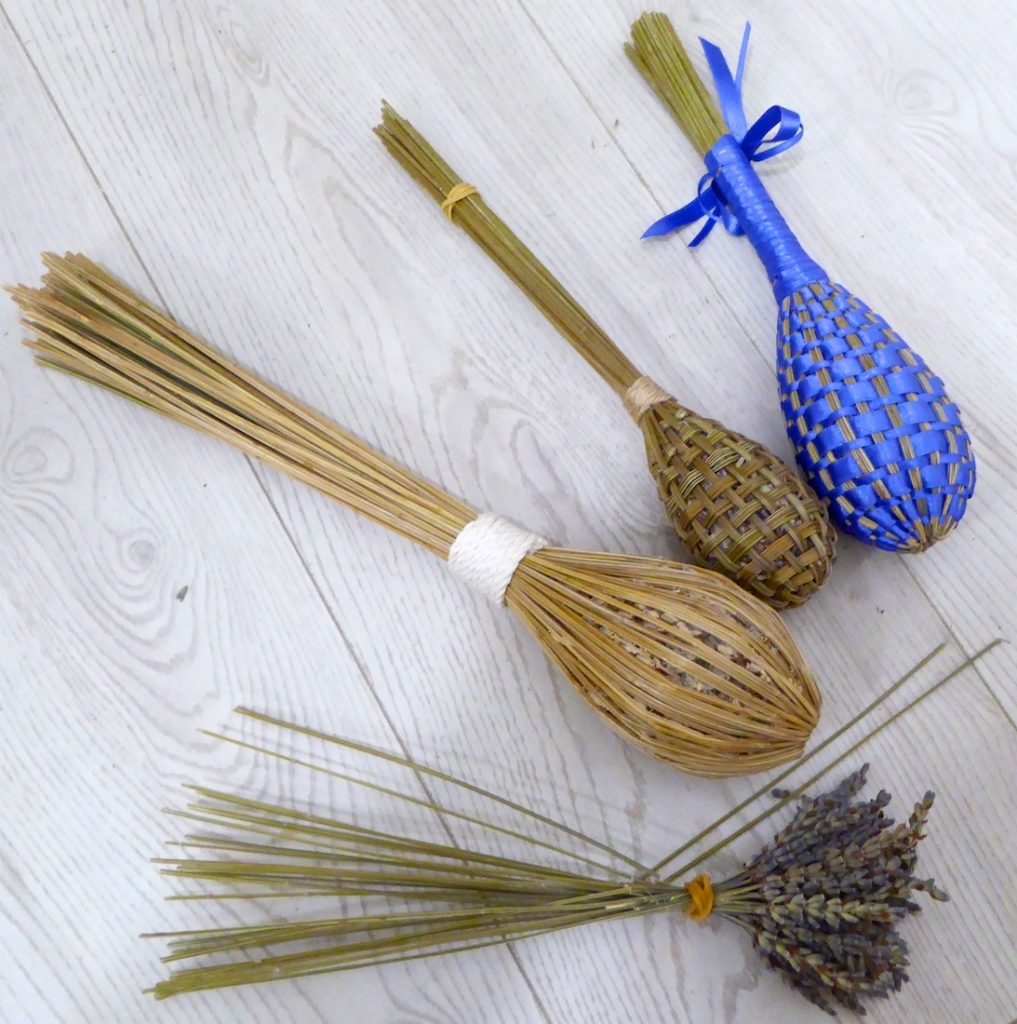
(736, 507)
(678, 660)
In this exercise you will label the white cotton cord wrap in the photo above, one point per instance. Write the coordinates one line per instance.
(487, 552)
(643, 394)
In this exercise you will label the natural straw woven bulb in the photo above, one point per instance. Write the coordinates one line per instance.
(872, 426)
(733, 503)
(736, 507)
(679, 660)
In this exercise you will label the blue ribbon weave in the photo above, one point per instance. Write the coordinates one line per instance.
(872, 426)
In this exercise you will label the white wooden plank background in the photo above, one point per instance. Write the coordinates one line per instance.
(219, 156)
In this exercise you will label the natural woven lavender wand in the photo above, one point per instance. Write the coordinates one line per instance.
(872, 427)
(738, 509)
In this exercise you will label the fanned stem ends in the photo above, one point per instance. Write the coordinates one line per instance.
(90, 325)
(435, 773)
(490, 232)
(658, 53)
(435, 897)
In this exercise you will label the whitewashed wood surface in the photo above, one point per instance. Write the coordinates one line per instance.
(218, 154)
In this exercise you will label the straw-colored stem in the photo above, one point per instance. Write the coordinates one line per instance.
(678, 660)
(734, 504)
(89, 325)
(658, 53)
(491, 233)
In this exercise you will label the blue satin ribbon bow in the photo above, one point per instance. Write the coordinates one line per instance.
(777, 130)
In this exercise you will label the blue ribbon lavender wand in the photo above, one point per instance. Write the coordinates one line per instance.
(872, 427)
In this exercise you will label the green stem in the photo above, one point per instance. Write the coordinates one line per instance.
(444, 777)
(674, 854)
(406, 798)
(794, 794)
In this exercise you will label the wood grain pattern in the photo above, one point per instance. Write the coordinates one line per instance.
(219, 155)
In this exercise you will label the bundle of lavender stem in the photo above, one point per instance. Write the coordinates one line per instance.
(822, 902)
(737, 508)
(677, 659)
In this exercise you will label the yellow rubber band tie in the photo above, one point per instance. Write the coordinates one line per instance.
(456, 194)
(700, 891)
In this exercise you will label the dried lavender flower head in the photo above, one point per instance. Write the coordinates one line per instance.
(824, 900)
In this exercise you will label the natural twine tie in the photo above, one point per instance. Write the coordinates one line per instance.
(487, 552)
(642, 395)
(700, 891)
(456, 194)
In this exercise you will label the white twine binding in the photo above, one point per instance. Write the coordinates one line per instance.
(643, 394)
(488, 551)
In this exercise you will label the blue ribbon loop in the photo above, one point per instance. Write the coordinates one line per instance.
(777, 130)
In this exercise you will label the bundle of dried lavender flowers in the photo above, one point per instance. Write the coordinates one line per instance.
(823, 902)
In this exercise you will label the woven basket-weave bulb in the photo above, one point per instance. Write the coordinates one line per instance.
(872, 426)
(737, 508)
